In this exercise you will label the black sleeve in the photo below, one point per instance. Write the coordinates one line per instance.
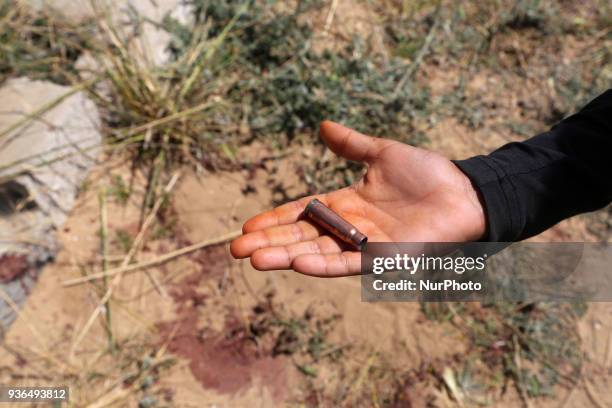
(528, 187)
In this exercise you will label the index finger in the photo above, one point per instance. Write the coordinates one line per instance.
(282, 215)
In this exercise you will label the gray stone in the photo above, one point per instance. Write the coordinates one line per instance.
(152, 40)
(43, 162)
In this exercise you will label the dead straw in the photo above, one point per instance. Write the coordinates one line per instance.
(145, 226)
(155, 261)
(117, 277)
(9, 301)
(45, 108)
(104, 248)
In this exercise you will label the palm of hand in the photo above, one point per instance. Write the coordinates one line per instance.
(408, 194)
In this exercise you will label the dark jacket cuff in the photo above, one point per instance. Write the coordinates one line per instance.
(500, 200)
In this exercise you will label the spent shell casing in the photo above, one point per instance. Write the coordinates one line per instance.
(334, 223)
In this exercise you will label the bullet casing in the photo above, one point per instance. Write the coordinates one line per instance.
(334, 223)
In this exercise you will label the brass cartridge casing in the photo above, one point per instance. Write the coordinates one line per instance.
(332, 222)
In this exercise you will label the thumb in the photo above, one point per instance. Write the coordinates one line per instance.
(349, 143)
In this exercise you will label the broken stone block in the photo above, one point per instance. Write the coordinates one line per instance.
(152, 40)
(49, 139)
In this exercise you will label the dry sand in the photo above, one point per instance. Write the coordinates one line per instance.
(207, 299)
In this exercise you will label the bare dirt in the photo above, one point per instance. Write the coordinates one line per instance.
(227, 360)
(204, 314)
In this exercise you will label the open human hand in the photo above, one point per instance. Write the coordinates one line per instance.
(408, 194)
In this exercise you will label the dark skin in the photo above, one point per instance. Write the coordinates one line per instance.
(408, 194)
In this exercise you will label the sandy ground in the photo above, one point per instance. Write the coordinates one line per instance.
(202, 297)
(197, 309)
(206, 294)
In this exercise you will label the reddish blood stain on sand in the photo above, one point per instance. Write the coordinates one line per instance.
(226, 361)
(12, 266)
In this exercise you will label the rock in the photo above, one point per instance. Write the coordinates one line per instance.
(152, 41)
(43, 161)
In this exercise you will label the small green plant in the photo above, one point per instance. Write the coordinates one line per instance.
(535, 345)
(124, 240)
(119, 190)
(244, 70)
(284, 87)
